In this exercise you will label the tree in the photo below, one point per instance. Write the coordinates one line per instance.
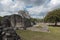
(1, 18)
(53, 16)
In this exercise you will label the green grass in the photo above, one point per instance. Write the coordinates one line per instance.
(55, 30)
(30, 35)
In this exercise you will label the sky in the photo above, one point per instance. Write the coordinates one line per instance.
(36, 8)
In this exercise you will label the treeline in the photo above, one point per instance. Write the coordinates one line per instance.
(53, 16)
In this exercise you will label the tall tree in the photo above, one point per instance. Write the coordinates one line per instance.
(53, 16)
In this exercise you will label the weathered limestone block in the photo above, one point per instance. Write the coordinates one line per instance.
(7, 32)
(10, 34)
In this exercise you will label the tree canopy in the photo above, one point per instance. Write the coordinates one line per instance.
(53, 16)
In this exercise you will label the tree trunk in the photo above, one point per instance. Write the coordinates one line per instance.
(55, 23)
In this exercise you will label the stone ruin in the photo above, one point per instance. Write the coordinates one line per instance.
(9, 23)
(20, 20)
(6, 31)
(10, 34)
(17, 22)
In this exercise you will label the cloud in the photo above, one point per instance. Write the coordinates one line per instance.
(5, 13)
(33, 2)
(42, 10)
(36, 8)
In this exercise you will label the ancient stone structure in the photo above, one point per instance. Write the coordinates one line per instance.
(10, 34)
(7, 32)
(26, 18)
(5, 22)
(9, 23)
(16, 21)
(19, 20)
(1, 35)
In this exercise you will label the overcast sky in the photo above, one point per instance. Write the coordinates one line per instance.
(36, 8)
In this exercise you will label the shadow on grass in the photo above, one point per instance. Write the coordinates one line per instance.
(54, 25)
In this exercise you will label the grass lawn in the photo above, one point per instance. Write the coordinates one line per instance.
(30, 35)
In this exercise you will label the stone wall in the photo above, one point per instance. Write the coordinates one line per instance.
(17, 21)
